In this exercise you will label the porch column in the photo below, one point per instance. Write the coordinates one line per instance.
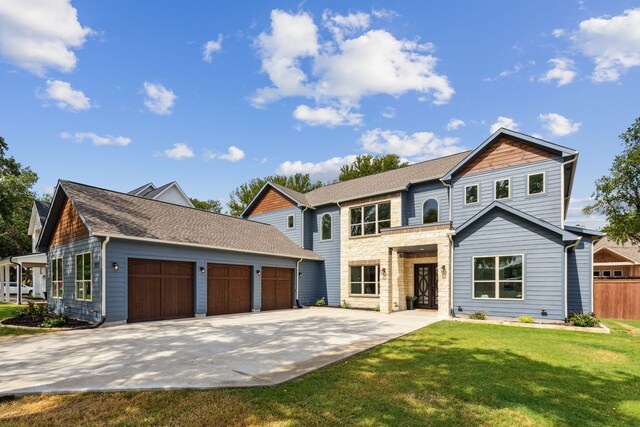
(386, 295)
(19, 284)
(3, 287)
(444, 276)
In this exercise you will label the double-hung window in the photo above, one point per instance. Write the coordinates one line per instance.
(498, 277)
(365, 280)
(83, 277)
(57, 280)
(370, 219)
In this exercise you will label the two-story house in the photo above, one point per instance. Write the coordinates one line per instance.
(479, 230)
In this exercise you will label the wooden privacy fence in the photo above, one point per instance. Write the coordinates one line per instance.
(617, 299)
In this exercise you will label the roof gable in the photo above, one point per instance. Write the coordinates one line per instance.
(270, 198)
(170, 193)
(143, 189)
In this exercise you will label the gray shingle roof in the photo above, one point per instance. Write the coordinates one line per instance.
(295, 195)
(384, 182)
(138, 191)
(43, 210)
(109, 213)
(628, 249)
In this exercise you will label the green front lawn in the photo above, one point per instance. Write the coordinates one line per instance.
(9, 310)
(449, 373)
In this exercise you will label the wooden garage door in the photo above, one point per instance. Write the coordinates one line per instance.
(228, 289)
(277, 288)
(160, 290)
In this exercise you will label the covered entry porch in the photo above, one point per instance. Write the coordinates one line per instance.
(27, 270)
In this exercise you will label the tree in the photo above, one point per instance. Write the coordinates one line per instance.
(207, 205)
(240, 198)
(16, 199)
(368, 165)
(617, 195)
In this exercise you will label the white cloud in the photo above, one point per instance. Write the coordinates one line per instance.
(233, 154)
(66, 97)
(325, 171)
(558, 32)
(40, 34)
(211, 47)
(505, 73)
(558, 125)
(384, 13)
(611, 42)
(327, 116)
(454, 124)
(417, 146)
(388, 113)
(95, 139)
(158, 99)
(504, 122)
(576, 216)
(178, 151)
(349, 66)
(562, 71)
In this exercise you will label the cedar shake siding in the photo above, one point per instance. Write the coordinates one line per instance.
(271, 201)
(69, 227)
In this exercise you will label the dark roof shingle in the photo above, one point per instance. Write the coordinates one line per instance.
(43, 210)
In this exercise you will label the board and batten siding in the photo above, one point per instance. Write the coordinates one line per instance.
(279, 218)
(120, 250)
(546, 207)
(501, 233)
(85, 310)
(418, 194)
(329, 283)
(579, 276)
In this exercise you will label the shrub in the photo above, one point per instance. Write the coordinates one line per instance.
(478, 315)
(54, 321)
(36, 311)
(584, 320)
(320, 302)
(345, 304)
(525, 319)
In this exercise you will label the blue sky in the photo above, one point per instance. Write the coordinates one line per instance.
(212, 94)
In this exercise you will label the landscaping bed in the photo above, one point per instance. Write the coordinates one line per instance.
(39, 316)
(30, 322)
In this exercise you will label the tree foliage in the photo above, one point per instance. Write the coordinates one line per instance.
(617, 195)
(368, 165)
(240, 198)
(16, 199)
(210, 205)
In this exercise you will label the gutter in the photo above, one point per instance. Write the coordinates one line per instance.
(104, 280)
(566, 277)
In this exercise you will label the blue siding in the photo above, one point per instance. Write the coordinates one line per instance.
(414, 199)
(329, 275)
(500, 233)
(85, 310)
(279, 220)
(120, 250)
(546, 206)
(579, 276)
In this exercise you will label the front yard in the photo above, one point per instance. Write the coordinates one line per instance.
(9, 310)
(445, 374)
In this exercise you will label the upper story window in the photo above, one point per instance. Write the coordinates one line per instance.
(83, 277)
(326, 226)
(471, 194)
(502, 189)
(290, 221)
(498, 277)
(57, 280)
(535, 184)
(430, 211)
(370, 219)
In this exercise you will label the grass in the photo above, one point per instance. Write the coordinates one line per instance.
(9, 310)
(445, 374)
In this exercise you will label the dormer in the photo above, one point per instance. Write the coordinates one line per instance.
(170, 193)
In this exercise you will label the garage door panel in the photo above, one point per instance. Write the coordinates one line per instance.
(144, 299)
(228, 289)
(277, 288)
(177, 297)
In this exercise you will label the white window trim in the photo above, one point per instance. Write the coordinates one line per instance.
(362, 282)
(75, 273)
(362, 223)
(617, 271)
(544, 184)
(61, 282)
(496, 280)
(606, 271)
(464, 195)
(437, 210)
(508, 188)
(596, 273)
(322, 239)
(293, 221)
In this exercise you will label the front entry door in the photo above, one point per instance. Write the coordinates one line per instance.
(426, 285)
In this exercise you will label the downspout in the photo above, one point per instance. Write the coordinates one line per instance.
(451, 310)
(19, 281)
(566, 277)
(298, 283)
(104, 281)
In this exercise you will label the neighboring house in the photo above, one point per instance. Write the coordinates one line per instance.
(170, 193)
(613, 260)
(479, 230)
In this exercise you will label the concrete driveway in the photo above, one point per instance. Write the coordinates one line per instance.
(224, 351)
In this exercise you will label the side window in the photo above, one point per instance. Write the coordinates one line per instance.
(471, 195)
(535, 184)
(326, 226)
(430, 211)
(290, 221)
(83, 277)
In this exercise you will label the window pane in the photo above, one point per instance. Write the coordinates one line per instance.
(502, 189)
(510, 268)
(510, 290)
(60, 269)
(370, 213)
(384, 224)
(87, 290)
(79, 290)
(484, 290)
(370, 228)
(356, 230)
(326, 227)
(54, 269)
(384, 211)
(484, 268)
(87, 266)
(356, 215)
(370, 288)
(290, 221)
(606, 273)
(471, 194)
(79, 267)
(356, 288)
(370, 273)
(617, 273)
(430, 211)
(536, 183)
(356, 274)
